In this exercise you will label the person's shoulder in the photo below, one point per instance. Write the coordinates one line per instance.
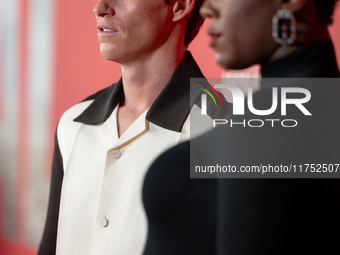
(66, 122)
(68, 128)
(177, 155)
(71, 113)
(171, 163)
(74, 111)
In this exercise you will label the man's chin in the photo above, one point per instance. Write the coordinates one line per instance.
(109, 56)
(108, 52)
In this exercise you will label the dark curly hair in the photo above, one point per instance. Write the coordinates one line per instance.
(194, 23)
(325, 9)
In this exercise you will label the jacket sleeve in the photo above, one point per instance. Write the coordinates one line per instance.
(48, 242)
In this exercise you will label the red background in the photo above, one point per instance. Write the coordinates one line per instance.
(79, 71)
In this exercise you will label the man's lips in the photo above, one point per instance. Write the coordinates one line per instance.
(105, 30)
(214, 37)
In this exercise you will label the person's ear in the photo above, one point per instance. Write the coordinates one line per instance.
(182, 9)
(293, 5)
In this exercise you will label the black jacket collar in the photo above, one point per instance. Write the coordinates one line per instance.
(169, 110)
(317, 60)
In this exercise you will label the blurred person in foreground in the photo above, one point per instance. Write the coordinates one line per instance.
(105, 144)
(238, 216)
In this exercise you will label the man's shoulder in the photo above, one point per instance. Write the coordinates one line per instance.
(102, 96)
(71, 113)
(75, 110)
(68, 128)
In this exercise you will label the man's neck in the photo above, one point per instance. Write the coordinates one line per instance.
(143, 81)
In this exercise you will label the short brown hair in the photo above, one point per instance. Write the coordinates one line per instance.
(325, 10)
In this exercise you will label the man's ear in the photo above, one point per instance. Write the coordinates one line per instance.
(293, 5)
(182, 9)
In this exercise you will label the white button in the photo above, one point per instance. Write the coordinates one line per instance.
(116, 154)
(104, 222)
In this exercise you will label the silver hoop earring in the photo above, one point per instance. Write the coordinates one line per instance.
(284, 27)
